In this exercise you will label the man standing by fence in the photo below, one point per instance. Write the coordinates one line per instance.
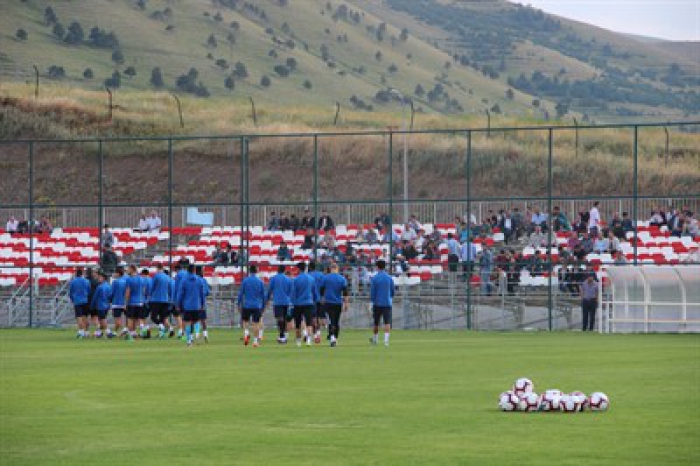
(589, 302)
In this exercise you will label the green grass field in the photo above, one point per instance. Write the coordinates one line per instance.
(428, 399)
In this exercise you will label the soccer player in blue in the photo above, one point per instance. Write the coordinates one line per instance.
(160, 299)
(119, 301)
(335, 297)
(381, 295)
(134, 299)
(280, 289)
(79, 291)
(251, 300)
(203, 313)
(102, 301)
(319, 311)
(144, 328)
(180, 274)
(190, 300)
(304, 297)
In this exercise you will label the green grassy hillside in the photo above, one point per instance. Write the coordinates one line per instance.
(347, 52)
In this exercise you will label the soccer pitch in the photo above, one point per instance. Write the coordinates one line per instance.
(430, 398)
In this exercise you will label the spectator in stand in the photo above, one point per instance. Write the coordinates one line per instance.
(410, 251)
(284, 222)
(538, 239)
(601, 245)
(573, 241)
(389, 236)
(620, 258)
(594, 220)
(371, 236)
(452, 252)
(535, 264)
(420, 240)
(273, 223)
(328, 240)
(432, 251)
(45, 226)
(461, 231)
(506, 226)
(559, 220)
(408, 233)
(613, 242)
(486, 229)
(578, 252)
(283, 252)
(307, 221)
(538, 219)
(627, 224)
(154, 222)
(518, 223)
(294, 223)
(583, 218)
(109, 261)
(325, 223)
(564, 253)
(691, 226)
(677, 224)
(656, 220)
(309, 239)
(414, 223)
(222, 256)
(360, 237)
(23, 226)
(435, 236)
(615, 226)
(12, 225)
(589, 302)
(502, 259)
(587, 243)
(485, 269)
(143, 225)
(107, 238)
(467, 254)
(512, 273)
(381, 221)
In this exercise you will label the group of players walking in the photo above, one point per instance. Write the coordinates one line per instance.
(307, 304)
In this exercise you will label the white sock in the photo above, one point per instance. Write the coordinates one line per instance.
(161, 327)
(246, 332)
(255, 340)
(206, 334)
(332, 337)
(305, 334)
(125, 330)
(260, 333)
(179, 332)
(386, 337)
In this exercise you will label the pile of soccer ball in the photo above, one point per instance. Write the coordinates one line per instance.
(522, 397)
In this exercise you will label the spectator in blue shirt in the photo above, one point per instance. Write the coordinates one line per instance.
(304, 298)
(102, 302)
(467, 255)
(78, 291)
(251, 301)
(452, 252)
(280, 290)
(381, 294)
(335, 298)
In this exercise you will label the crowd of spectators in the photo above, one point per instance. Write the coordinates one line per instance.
(43, 226)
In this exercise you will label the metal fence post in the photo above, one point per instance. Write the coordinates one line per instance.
(469, 215)
(31, 233)
(315, 197)
(635, 187)
(170, 205)
(241, 197)
(391, 201)
(100, 193)
(551, 226)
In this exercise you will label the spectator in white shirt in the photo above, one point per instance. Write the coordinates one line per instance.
(153, 223)
(538, 239)
(414, 223)
(420, 240)
(12, 225)
(408, 233)
(143, 224)
(594, 220)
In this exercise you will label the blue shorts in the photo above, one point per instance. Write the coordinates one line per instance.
(282, 312)
(81, 310)
(118, 311)
(251, 314)
(381, 313)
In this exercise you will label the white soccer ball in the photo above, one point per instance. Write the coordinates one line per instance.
(570, 404)
(508, 401)
(529, 402)
(598, 402)
(523, 386)
(551, 400)
(582, 398)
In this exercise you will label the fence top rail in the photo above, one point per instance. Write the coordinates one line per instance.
(317, 134)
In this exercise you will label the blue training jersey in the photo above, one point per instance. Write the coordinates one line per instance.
(382, 289)
(160, 288)
(205, 290)
(119, 292)
(251, 295)
(304, 291)
(334, 285)
(191, 296)
(79, 291)
(280, 290)
(135, 286)
(101, 299)
(318, 282)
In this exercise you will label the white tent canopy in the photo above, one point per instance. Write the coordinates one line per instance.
(652, 299)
